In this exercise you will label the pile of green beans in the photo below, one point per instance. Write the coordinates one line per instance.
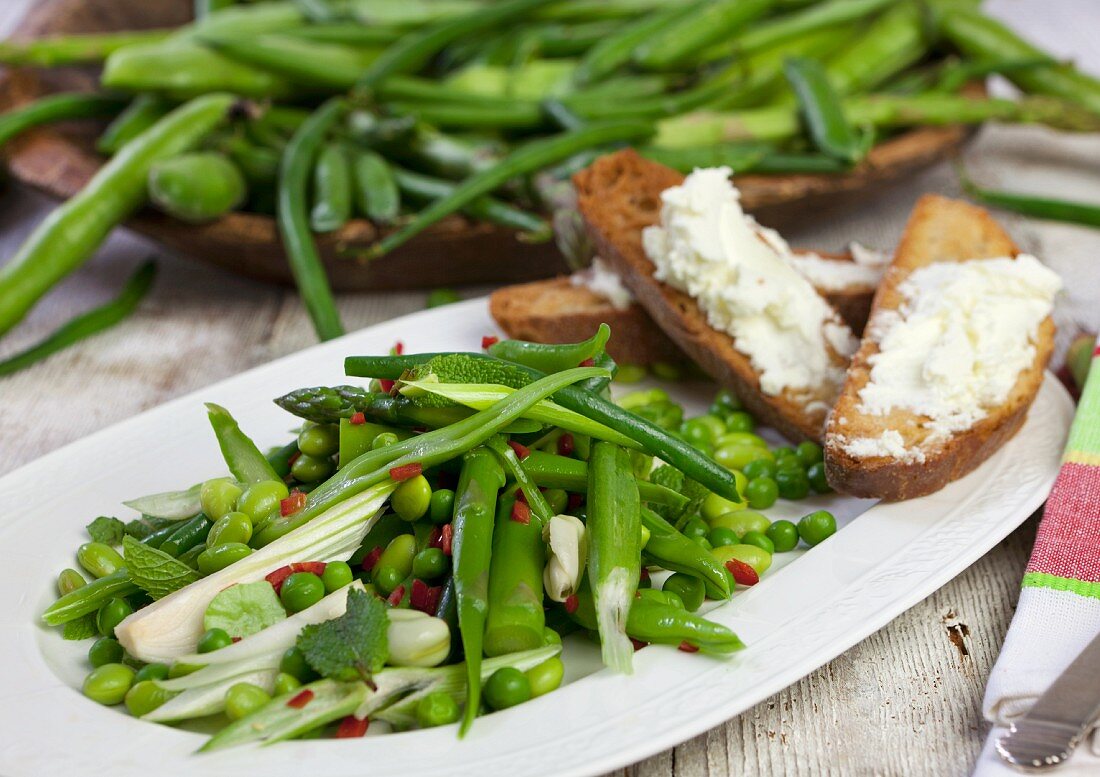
(407, 114)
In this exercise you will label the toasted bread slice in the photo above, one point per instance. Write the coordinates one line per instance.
(618, 196)
(558, 311)
(939, 230)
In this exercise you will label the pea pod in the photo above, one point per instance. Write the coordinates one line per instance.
(73, 231)
(515, 619)
(673, 551)
(56, 107)
(331, 189)
(376, 192)
(551, 358)
(196, 187)
(423, 188)
(682, 38)
(241, 455)
(141, 114)
(615, 50)
(823, 112)
(184, 70)
(99, 559)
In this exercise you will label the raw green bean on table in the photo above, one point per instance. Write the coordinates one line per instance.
(448, 156)
(515, 618)
(57, 107)
(499, 115)
(524, 159)
(60, 50)
(332, 189)
(141, 114)
(293, 219)
(739, 157)
(679, 40)
(259, 165)
(615, 50)
(304, 63)
(376, 192)
(893, 41)
(1033, 205)
(823, 112)
(241, 455)
(76, 228)
(475, 508)
(88, 323)
(347, 34)
(196, 187)
(551, 358)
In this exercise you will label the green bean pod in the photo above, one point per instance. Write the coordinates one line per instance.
(1032, 205)
(332, 188)
(614, 552)
(548, 470)
(475, 508)
(56, 107)
(679, 40)
(515, 619)
(142, 113)
(675, 552)
(823, 111)
(328, 66)
(196, 187)
(189, 534)
(424, 188)
(62, 50)
(615, 50)
(376, 192)
(551, 358)
(184, 69)
(893, 42)
(241, 455)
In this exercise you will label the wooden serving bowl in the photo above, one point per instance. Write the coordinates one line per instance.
(60, 159)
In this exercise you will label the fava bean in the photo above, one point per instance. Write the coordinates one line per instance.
(261, 500)
(319, 440)
(242, 699)
(69, 580)
(99, 559)
(412, 498)
(714, 506)
(545, 677)
(231, 527)
(145, 696)
(109, 683)
(742, 521)
(757, 558)
(217, 558)
(218, 497)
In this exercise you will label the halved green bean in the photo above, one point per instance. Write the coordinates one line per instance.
(56, 51)
(332, 189)
(1034, 205)
(376, 191)
(823, 111)
(678, 41)
(515, 619)
(141, 114)
(305, 263)
(525, 159)
(57, 107)
(675, 552)
(87, 324)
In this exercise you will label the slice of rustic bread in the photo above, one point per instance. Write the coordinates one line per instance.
(618, 196)
(939, 230)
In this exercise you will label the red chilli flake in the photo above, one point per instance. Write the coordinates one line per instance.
(371, 558)
(522, 451)
(521, 513)
(352, 728)
(397, 595)
(575, 501)
(294, 457)
(279, 576)
(589, 362)
(435, 539)
(571, 603)
(406, 471)
(424, 597)
(687, 647)
(398, 348)
(301, 700)
(565, 445)
(292, 504)
(386, 385)
(521, 497)
(643, 575)
(743, 574)
(489, 340)
(638, 644)
(447, 539)
(357, 419)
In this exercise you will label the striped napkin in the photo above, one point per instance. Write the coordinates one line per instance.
(1059, 609)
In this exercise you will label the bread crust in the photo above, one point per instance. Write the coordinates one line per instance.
(939, 230)
(620, 194)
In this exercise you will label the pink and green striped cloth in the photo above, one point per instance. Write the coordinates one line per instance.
(1059, 609)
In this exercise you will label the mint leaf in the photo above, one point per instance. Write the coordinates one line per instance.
(154, 571)
(352, 646)
(83, 627)
(244, 609)
(107, 530)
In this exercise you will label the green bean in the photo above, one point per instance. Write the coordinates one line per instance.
(376, 193)
(86, 324)
(203, 8)
(615, 50)
(776, 162)
(739, 157)
(89, 598)
(983, 38)
(72, 232)
(259, 165)
(196, 187)
(425, 188)
(306, 63)
(515, 619)
(525, 159)
(446, 155)
(241, 455)
(184, 69)
(332, 189)
(413, 51)
(893, 42)
(493, 115)
(56, 51)
(188, 535)
(1033, 205)
(305, 263)
(675, 552)
(591, 10)
(141, 114)
(676, 42)
(823, 112)
(475, 506)
(346, 34)
(57, 107)
(558, 40)
(549, 470)
(374, 130)
(954, 75)
(551, 358)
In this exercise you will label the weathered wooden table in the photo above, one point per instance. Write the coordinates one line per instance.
(906, 701)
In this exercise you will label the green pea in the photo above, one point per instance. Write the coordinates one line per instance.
(111, 613)
(231, 527)
(145, 696)
(556, 498)
(720, 535)
(550, 637)
(395, 563)
(152, 672)
(809, 452)
(105, 650)
(242, 699)
(507, 687)
(793, 484)
(762, 492)
(758, 539)
(301, 590)
(285, 683)
(311, 469)
(182, 670)
(383, 440)
(218, 497)
(740, 421)
(109, 683)
(757, 558)
(436, 709)
(762, 467)
(294, 664)
(429, 564)
(69, 580)
(320, 440)
(696, 527)
(725, 402)
(741, 522)
(412, 498)
(739, 456)
(99, 559)
(217, 558)
(261, 500)
(818, 482)
(630, 373)
(690, 590)
(714, 506)
(784, 536)
(442, 506)
(545, 677)
(337, 574)
(783, 451)
(440, 297)
(816, 527)
(696, 430)
(214, 639)
(789, 462)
